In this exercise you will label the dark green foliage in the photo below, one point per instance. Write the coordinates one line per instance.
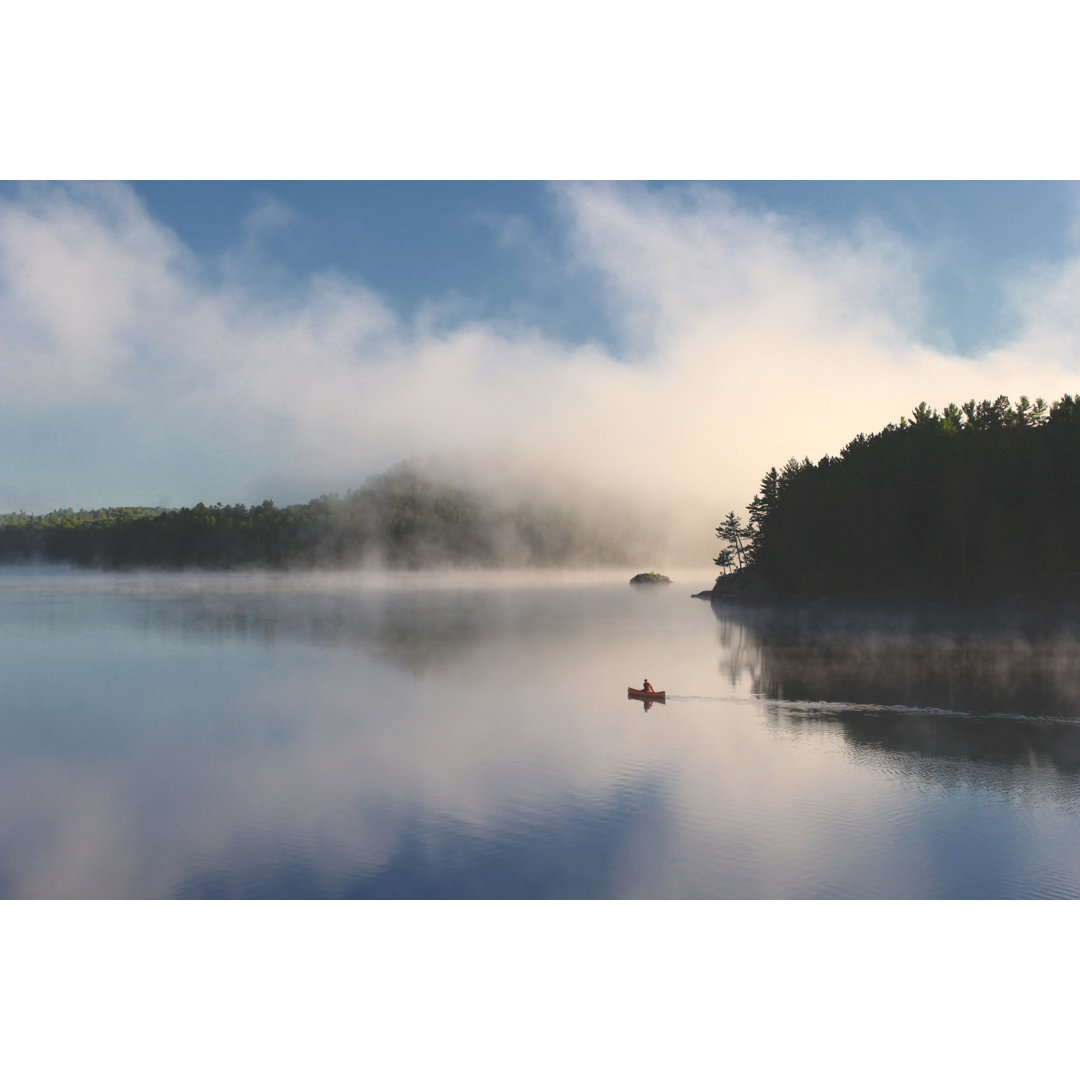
(984, 498)
(402, 519)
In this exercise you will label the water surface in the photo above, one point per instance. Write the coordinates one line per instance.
(350, 736)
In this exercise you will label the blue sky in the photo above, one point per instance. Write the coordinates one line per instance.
(418, 241)
(170, 342)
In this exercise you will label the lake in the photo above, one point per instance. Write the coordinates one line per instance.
(437, 736)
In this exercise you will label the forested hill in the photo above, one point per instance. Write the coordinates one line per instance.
(981, 499)
(401, 519)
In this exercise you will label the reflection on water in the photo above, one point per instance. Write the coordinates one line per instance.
(975, 686)
(979, 711)
(917, 655)
(417, 736)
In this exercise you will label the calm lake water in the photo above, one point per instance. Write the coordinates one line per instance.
(343, 736)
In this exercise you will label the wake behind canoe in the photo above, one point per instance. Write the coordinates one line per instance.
(642, 695)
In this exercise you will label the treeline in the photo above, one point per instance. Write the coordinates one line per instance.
(402, 519)
(979, 499)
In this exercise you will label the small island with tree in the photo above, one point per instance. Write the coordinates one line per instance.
(980, 500)
(650, 577)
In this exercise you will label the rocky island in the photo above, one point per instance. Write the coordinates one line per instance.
(650, 578)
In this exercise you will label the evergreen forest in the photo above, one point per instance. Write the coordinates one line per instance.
(979, 500)
(402, 519)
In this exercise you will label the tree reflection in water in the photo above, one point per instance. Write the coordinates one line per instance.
(1000, 687)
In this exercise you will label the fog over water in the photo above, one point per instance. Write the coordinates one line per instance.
(403, 736)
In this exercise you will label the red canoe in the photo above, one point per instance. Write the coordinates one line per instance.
(642, 695)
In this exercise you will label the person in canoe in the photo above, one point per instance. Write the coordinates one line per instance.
(647, 688)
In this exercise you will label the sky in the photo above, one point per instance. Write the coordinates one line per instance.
(165, 343)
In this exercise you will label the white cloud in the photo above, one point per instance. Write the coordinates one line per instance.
(78, 268)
